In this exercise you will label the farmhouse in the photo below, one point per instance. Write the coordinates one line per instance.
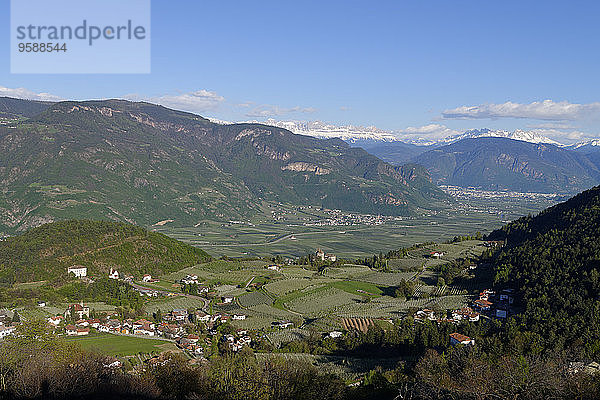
(55, 320)
(202, 316)
(437, 254)
(147, 278)
(189, 279)
(113, 274)
(457, 338)
(224, 318)
(41, 304)
(320, 255)
(483, 305)
(94, 323)
(273, 267)
(335, 334)
(77, 270)
(6, 331)
(465, 313)
(238, 317)
(425, 314)
(71, 330)
(79, 311)
(282, 324)
(193, 338)
(227, 299)
(169, 330)
(143, 327)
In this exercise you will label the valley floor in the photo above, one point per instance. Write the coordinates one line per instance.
(293, 231)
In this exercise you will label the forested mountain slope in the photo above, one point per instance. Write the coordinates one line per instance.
(45, 252)
(553, 260)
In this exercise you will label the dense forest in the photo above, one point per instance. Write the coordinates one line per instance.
(45, 253)
(553, 262)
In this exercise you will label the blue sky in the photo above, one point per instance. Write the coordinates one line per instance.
(419, 67)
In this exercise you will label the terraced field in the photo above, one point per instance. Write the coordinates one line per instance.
(321, 301)
(285, 286)
(255, 298)
(385, 278)
(277, 337)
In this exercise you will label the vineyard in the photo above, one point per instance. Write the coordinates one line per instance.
(255, 298)
(350, 295)
(357, 324)
(285, 286)
(320, 301)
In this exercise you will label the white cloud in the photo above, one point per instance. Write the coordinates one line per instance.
(429, 132)
(197, 102)
(265, 111)
(22, 93)
(541, 110)
(551, 125)
(562, 136)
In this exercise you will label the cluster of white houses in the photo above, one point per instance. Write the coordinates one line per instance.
(7, 327)
(80, 271)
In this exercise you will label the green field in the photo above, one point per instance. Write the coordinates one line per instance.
(171, 303)
(114, 345)
(297, 232)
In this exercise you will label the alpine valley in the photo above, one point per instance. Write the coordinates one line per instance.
(142, 163)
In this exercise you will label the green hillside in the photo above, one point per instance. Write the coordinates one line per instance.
(553, 260)
(141, 163)
(45, 253)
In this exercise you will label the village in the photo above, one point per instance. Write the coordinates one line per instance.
(489, 305)
(220, 321)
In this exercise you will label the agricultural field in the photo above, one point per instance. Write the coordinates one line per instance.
(323, 299)
(319, 302)
(285, 286)
(226, 273)
(254, 298)
(293, 231)
(358, 324)
(177, 302)
(279, 336)
(34, 312)
(117, 346)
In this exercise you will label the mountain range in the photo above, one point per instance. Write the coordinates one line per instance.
(142, 163)
(494, 163)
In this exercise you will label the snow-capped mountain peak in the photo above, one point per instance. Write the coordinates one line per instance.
(322, 130)
(587, 143)
(525, 136)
